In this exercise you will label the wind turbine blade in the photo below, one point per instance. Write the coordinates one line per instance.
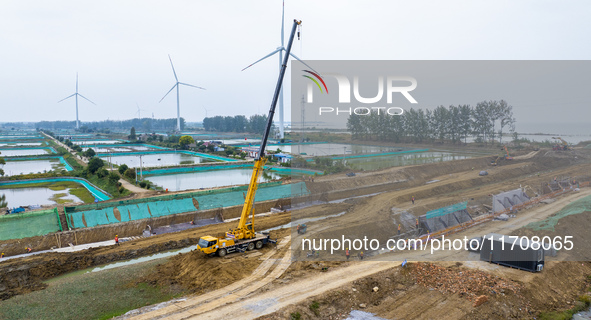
(263, 58)
(66, 98)
(300, 60)
(168, 92)
(76, 82)
(87, 99)
(282, 23)
(190, 85)
(177, 79)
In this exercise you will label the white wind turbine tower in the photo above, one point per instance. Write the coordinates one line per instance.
(206, 110)
(177, 85)
(139, 111)
(76, 95)
(280, 51)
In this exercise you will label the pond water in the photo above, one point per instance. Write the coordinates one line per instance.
(12, 168)
(16, 136)
(92, 142)
(330, 149)
(129, 148)
(406, 159)
(21, 144)
(156, 159)
(23, 152)
(208, 179)
(34, 196)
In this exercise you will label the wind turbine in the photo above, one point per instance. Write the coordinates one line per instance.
(280, 50)
(76, 95)
(139, 111)
(206, 110)
(177, 85)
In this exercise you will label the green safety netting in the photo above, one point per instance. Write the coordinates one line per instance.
(29, 224)
(137, 209)
(447, 210)
(579, 206)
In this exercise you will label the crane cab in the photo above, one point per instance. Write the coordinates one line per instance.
(210, 245)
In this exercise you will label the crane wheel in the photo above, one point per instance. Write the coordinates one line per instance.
(250, 246)
(222, 252)
(259, 244)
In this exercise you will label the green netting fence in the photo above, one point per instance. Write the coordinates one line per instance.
(29, 224)
(137, 209)
(447, 210)
(577, 207)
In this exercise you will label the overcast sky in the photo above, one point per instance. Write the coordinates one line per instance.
(120, 48)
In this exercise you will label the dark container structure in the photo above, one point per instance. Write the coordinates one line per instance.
(525, 259)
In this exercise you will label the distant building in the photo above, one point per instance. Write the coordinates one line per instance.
(282, 157)
(250, 151)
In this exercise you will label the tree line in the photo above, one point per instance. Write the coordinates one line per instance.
(145, 124)
(485, 122)
(255, 124)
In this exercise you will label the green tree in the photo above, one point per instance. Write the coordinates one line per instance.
(3, 203)
(113, 178)
(507, 119)
(2, 162)
(184, 141)
(130, 173)
(94, 164)
(102, 172)
(465, 120)
(89, 153)
(132, 134)
(122, 168)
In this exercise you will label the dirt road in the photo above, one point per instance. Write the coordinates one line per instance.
(238, 304)
(132, 188)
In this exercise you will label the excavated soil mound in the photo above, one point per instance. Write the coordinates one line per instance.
(431, 291)
(577, 226)
(198, 273)
(465, 282)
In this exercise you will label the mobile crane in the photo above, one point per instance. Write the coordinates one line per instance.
(564, 145)
(244, 236)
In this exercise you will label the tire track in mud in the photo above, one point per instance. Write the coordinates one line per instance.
(198, 305)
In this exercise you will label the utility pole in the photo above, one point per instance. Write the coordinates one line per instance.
(141, 171)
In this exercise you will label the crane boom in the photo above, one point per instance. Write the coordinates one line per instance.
(246, 231)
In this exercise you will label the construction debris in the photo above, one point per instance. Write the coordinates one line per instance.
(465, 282)
(480, 300)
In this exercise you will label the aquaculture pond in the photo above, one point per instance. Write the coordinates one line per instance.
(21, 144)
(210, 179)
(93, 142)
(121, 148)
(329, 149)
(24, 152)
(16, 167)
(45, 193)
(156, 159)
(405, 159)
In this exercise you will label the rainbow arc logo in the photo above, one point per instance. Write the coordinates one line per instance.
(316, 76)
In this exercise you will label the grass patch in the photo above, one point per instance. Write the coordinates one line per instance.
(314, 307)
(83, 194)
(57, 198)
(582, 304)
(95, 295)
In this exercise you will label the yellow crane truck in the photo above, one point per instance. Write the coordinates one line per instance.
(244, 236)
